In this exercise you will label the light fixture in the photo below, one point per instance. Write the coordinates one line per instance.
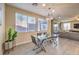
(50, 10)
(43, 4)
(50, 13)
(35, 4)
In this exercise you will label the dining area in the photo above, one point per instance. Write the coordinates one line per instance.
(41, 40)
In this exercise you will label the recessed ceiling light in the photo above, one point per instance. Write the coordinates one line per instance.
(43, 4)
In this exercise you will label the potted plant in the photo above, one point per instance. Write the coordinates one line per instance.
(12, 34)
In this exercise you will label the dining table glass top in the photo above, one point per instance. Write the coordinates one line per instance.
(41, 37)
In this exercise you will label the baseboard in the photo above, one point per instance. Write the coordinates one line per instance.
(25, 42)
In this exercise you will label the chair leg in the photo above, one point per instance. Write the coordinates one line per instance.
(43, 49)
(35, 48)
(55, 43)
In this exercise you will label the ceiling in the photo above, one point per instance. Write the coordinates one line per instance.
(63, 10)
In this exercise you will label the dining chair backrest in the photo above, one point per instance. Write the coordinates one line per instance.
(38, 34)
(45, 33)
(33, 40)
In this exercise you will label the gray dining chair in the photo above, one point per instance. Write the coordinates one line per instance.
(38, 44)
(35, 42)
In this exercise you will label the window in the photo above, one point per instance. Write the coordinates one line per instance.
(21, 23)
(56, 27)
(42, 25)
(28, 24)
(66, 26)
(25, 23)
(31, 24)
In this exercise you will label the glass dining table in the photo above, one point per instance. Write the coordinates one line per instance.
(41, 38)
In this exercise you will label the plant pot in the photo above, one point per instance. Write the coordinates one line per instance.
(8, 45)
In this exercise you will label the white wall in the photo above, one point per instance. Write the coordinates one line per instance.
(2, 27)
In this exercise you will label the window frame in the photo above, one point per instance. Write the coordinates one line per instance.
(40, 24)
(67, 27)
(26, 21)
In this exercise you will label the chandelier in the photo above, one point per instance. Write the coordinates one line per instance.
(51, 11)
